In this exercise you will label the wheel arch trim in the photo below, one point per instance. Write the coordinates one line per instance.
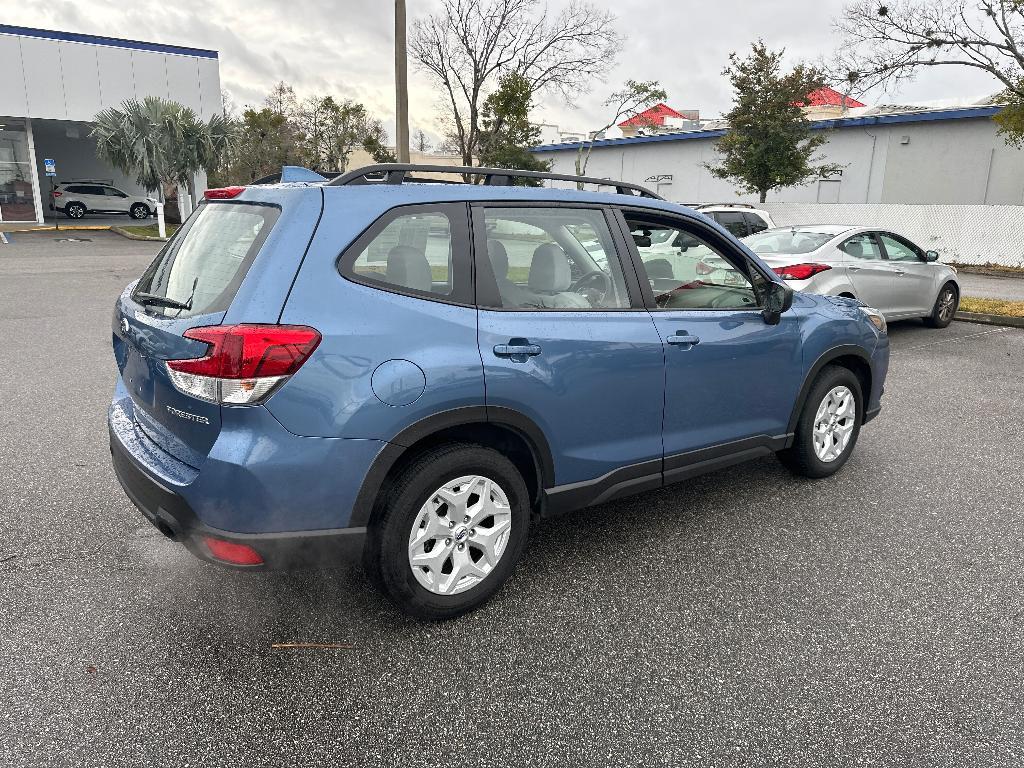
(398, 446)
(830, 355)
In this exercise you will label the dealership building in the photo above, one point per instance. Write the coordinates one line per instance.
(52, 84)
(886, 155)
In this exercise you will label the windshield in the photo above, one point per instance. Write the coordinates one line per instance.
(788, 241)
(200, 269)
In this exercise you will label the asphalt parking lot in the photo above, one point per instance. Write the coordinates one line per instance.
(745, 618)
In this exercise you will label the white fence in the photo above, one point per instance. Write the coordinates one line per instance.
(964, 234)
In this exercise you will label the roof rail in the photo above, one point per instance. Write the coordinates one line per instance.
(397, 173)
(724, 205)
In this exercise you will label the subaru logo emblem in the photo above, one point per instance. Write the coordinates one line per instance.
(124, 326)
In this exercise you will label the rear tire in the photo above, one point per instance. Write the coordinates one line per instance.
(74, 210)
(829, 425)
(139, 211)
(460, 563)
(946, 304)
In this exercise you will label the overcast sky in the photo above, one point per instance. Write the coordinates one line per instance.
(344, 47)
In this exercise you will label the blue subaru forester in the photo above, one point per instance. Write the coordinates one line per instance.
(411, 372)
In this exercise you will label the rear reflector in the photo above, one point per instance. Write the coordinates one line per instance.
(800, 271)
(223, 193)
(244, 364)
(230, 552)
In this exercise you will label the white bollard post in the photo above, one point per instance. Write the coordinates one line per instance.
(160, 224)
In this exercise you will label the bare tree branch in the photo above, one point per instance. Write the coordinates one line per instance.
(887, 43)
(470, 43)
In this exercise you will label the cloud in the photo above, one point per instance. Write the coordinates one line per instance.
(345, 48)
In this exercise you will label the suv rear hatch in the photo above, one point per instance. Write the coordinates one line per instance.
(190, 284)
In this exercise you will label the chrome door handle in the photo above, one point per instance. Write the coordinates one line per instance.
(900, 273)
(853, 269)
(518, 350)
(682, 338)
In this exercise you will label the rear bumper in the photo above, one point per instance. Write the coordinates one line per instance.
(172, 516)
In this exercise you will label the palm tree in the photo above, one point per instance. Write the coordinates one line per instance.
(162, 142)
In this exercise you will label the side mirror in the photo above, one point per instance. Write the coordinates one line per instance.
(778, 299)
(930, 256)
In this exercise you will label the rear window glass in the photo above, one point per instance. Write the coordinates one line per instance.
(791, 240)
(204, 263)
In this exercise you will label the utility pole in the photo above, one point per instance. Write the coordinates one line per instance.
(401, 86)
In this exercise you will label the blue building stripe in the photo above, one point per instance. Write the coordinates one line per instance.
(817, 125)
(112, 42)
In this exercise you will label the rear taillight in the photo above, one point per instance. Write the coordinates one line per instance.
(57, 193)
(800, 271)
(703, 268)
(244, 364)
(223, 193)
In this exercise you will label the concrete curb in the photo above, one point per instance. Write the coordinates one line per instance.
(133, 236)
(971, 269)
(986, 319)
(63, 228)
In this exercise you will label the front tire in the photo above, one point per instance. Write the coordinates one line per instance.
(139, 211)
(74, 210)
(946, 304)
(829, 425)
(450, 531)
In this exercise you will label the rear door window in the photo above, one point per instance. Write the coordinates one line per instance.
(205, 262)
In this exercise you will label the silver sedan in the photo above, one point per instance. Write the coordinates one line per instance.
(881, 268)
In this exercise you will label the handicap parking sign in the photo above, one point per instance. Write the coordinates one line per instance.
(50, 166)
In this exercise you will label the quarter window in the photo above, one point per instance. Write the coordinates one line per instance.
(554, 258)
(755, 222)
(687, 272)
(413, 252)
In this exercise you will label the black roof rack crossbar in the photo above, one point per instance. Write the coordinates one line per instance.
(397, 173)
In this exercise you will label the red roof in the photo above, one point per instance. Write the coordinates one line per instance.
(654, 116)
(829, 97)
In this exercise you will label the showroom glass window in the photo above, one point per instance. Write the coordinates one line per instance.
(17, 202)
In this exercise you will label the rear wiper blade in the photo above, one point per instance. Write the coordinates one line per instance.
(152, 300)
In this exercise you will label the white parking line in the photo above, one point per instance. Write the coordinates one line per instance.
(951, 341)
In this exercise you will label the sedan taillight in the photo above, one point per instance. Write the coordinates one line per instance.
(800, 271)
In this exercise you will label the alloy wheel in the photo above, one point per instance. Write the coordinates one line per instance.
(460, 535)
(947, 305)
(834, 423)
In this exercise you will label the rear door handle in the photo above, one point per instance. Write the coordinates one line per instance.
(853, 269)
(683, 338)
(900, 273)
(518, 350)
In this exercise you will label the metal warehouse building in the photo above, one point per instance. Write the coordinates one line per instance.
(51, 86)
(947, 157)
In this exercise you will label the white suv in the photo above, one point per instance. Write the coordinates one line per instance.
(77, 198)
(740, 219)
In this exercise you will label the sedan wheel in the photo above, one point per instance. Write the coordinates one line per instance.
(945, 307)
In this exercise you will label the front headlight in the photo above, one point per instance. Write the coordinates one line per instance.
(876, 318)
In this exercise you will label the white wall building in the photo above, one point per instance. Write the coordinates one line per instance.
(51, 86)
(949, 156)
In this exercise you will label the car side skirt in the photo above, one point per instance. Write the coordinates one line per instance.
(650, 475)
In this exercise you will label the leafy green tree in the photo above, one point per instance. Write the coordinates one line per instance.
(769, 144)
(507, 135)
(263, 145)
(328, 130)
(163, 143)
